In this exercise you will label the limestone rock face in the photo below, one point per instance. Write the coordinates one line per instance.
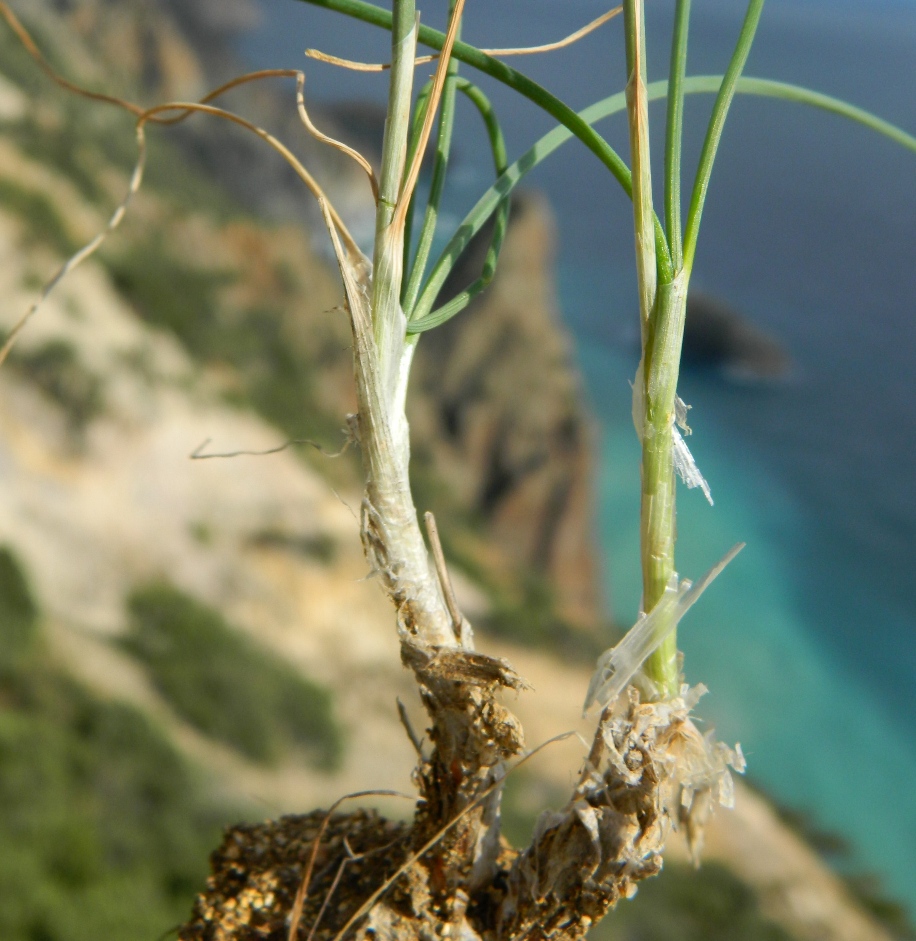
(499, 400)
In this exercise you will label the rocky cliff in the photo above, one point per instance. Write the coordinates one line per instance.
(500, 418)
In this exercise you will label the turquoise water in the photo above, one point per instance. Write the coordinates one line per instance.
(808, 642)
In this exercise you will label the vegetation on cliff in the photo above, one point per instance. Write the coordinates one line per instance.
(224, 684)
(105, 830)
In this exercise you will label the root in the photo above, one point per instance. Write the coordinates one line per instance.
(448, 873)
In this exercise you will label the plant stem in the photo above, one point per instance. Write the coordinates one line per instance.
(638, 115)
(664, 337)
(390, 529)
(659, 374)
(388, 264)
(661, 320)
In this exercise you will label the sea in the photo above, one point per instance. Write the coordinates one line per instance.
(808, 641)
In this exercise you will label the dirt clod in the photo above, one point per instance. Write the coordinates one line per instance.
(259, 869)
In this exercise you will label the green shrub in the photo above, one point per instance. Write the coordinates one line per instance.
(170, 293)
(533, 620)
(72, 148)
(319, 547)
(18, 613)
(55, 367)
(225, 685)
(686, 904)
(103, 830)
(43, 223)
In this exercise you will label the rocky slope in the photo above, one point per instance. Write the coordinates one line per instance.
(200, 323)
(502, 411)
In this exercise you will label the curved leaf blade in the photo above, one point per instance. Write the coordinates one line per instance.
(550, 142)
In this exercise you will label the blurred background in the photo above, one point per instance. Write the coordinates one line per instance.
(189, 643)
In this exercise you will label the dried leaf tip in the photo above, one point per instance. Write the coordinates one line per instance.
(574, 37)
(330, 141)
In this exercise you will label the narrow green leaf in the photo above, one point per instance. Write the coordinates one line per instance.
(419, 113)
(550, 142)
(674, 128)
(437, 185)
(470, 55)
(716, 124)
(767, 88)
(420, 318)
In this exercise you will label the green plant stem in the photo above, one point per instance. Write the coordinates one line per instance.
(662, 349)
(434, 39)
(663, 330)
(388, 256)
(390, 530)
(660, 366)
(638, 117)
(394, 151)
(662, 308)
(674, 128)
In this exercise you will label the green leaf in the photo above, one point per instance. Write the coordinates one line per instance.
(674, 127)
(470, 55)
(419, 113)
(550, 142)
(723, 101)
(767, 88)
(420, 317)
(437, 185)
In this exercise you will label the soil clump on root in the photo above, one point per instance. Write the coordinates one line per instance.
(449, 873)
(259, 870)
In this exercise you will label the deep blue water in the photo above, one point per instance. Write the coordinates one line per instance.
(808, 643)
